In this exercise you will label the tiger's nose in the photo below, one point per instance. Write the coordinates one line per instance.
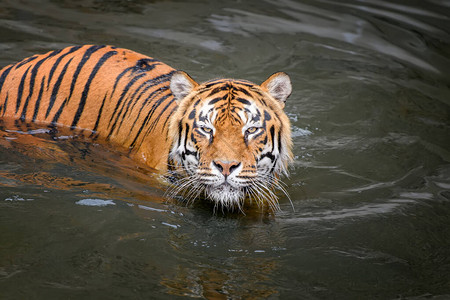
(226, 167)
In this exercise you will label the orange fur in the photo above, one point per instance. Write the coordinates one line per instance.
(104, 86)
(228, 138)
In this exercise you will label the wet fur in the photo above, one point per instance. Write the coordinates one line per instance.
(161, 116)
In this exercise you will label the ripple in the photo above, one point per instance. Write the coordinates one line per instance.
(322, 23)
(345, 213)
(16, 198)
(20, 26)
(297, 132)
(31, 132)
(95, 202)
(416, 195)
(191, 39)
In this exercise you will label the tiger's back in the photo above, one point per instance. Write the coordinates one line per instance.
(120, 95)
(227, 139)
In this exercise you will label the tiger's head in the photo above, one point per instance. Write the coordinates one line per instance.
(231, 139)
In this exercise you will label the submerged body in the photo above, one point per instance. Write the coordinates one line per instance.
(118, 94)
(226, 138)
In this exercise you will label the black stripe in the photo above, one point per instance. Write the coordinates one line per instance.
(263, 102)
(193, 139)
(118, 79)
(261, 99)
(146, 85)
(261, 132)
(58, 113)
(274, 163)
(186, 137)
(99, 114)
(84, 95)
(279, 141)
(155, 122)
(133, 99)
(243, 101)
(118, 112)
(147, 118)
(33, 80)
(20, 91)
(4, 104)
(130, 100)
(217, 90)
(56, 88)
(190, 153)
(205, 175)
(235, 115)
(38, 100)
(209, 84)
(244, 83)
(58, 61)
(154, 108)
(215, 100)
(86, 56)
(245, 177)
(25, 61)
(196, 103)
(244, 91)
(143, 65)
(4, 75)
(192, 114)
(168, 117)
(203, 117)
(151, 96)
(272, 136)
(157, 80)
(256, 117)
(268, 154)
(180, 130)
(152, 83)
(255, 90)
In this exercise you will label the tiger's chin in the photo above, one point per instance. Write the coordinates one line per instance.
(226, 196)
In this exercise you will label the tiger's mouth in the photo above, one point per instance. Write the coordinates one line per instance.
(226, 195)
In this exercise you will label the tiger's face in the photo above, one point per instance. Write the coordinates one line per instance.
(231, 138)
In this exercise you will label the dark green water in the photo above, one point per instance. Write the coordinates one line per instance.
(370, 184)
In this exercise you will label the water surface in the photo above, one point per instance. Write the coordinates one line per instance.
(370, 184)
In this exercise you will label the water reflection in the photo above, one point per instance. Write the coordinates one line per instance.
(248, 281)
(48, 154)
(226, 262)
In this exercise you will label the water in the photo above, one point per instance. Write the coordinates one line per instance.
(370, 184)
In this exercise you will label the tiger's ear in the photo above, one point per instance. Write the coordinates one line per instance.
(279, 86)
(181, 84)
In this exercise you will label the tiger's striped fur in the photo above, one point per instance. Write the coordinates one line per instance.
(226, 138)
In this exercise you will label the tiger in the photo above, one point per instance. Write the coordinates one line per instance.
(226, 140)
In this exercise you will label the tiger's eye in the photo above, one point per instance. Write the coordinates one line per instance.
(206, 129)
(252, 130)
